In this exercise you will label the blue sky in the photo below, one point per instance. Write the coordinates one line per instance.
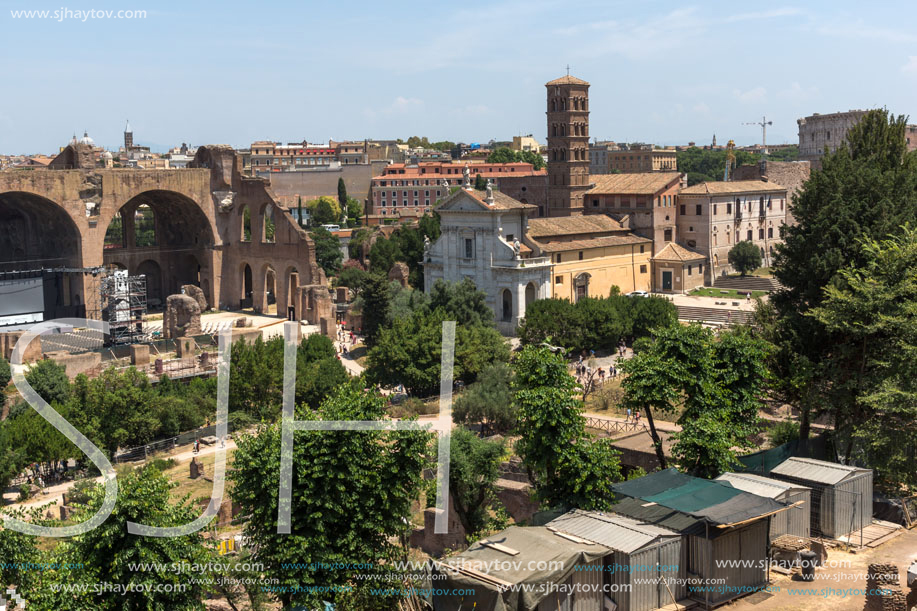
(233, 72)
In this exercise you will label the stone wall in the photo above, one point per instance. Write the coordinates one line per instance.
(8, 342)
(883, 587)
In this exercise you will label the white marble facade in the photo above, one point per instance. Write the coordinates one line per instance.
(482, 235)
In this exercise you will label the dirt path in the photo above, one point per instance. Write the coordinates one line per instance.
(847, 575)
(55, 493)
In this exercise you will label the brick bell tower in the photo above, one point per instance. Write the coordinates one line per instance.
(568, 146)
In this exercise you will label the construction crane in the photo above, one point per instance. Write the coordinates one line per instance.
(730, 159)
(763, 123)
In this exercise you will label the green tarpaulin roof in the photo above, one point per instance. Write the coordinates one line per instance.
(714, 501)
(651, 484)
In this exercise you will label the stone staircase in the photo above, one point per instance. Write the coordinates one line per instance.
(720, 316)
(747, 283)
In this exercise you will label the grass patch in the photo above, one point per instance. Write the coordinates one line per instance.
(199, 488)
(725, 293)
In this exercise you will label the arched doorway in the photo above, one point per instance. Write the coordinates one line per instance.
(164, 228)
(153, 272)
(247, 284)
(269, 288)
(581, 286)
(292, 279)
(36, 233)
(267, 224)
(530, 294)
(507, 297)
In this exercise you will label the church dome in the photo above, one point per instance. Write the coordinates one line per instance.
(106, 155)
(87, 140)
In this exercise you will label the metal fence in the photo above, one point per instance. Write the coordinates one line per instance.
(166, 445)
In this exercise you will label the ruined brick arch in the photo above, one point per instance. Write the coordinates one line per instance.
(246, 230)
(36, 233)
(289, 289)
(267, 283)
(246, 284)
(268, 211)
(181, 252)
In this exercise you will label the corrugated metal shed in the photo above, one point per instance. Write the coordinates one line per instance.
(841, 494)
(646, 569)
(817, 471)
(760, 485)
(614, 531)
(795, 521)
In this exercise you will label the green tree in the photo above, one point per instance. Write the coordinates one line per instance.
(6, 374)
(354, 211)
(50, 381)
(866, 190)
(462, 301)
(409, 352)
(377, 303)
(871, 367)
(569, 468)
(353, 278)
(717, 381)
(299, 217)
(357, 239)
(342, 194)
(502, 155)
(479, 183)
(324, 211)
(535, 159)
(488, 402)
(352, 495)
(106, 552)
(327, 250)
(474, 467)
(745, 257)
(384, 253)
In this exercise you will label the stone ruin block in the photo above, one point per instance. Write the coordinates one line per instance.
(196, 468)
(399, 273)
(328, 327)
(182, 317)
(197, 294)
(140, 355)
(316, 303)
(184, 347)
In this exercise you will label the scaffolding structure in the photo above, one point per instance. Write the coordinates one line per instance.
(123, 301)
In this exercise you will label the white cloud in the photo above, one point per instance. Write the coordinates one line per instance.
(399, 106)
(402, 104)
(701, 108)
(911, 66)
(752, 95)
(638, 41)
(780, 12)
(859, 29)
(797, 93)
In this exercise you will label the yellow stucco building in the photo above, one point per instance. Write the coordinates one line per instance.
(590, 255)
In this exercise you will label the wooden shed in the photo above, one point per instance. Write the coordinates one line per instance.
(841, 494)
(794, 521)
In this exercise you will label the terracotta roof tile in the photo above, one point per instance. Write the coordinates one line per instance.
(599, 242)
(567, 80)
(736, 186)
(573, 225)
(677, 252)
(644, 183)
